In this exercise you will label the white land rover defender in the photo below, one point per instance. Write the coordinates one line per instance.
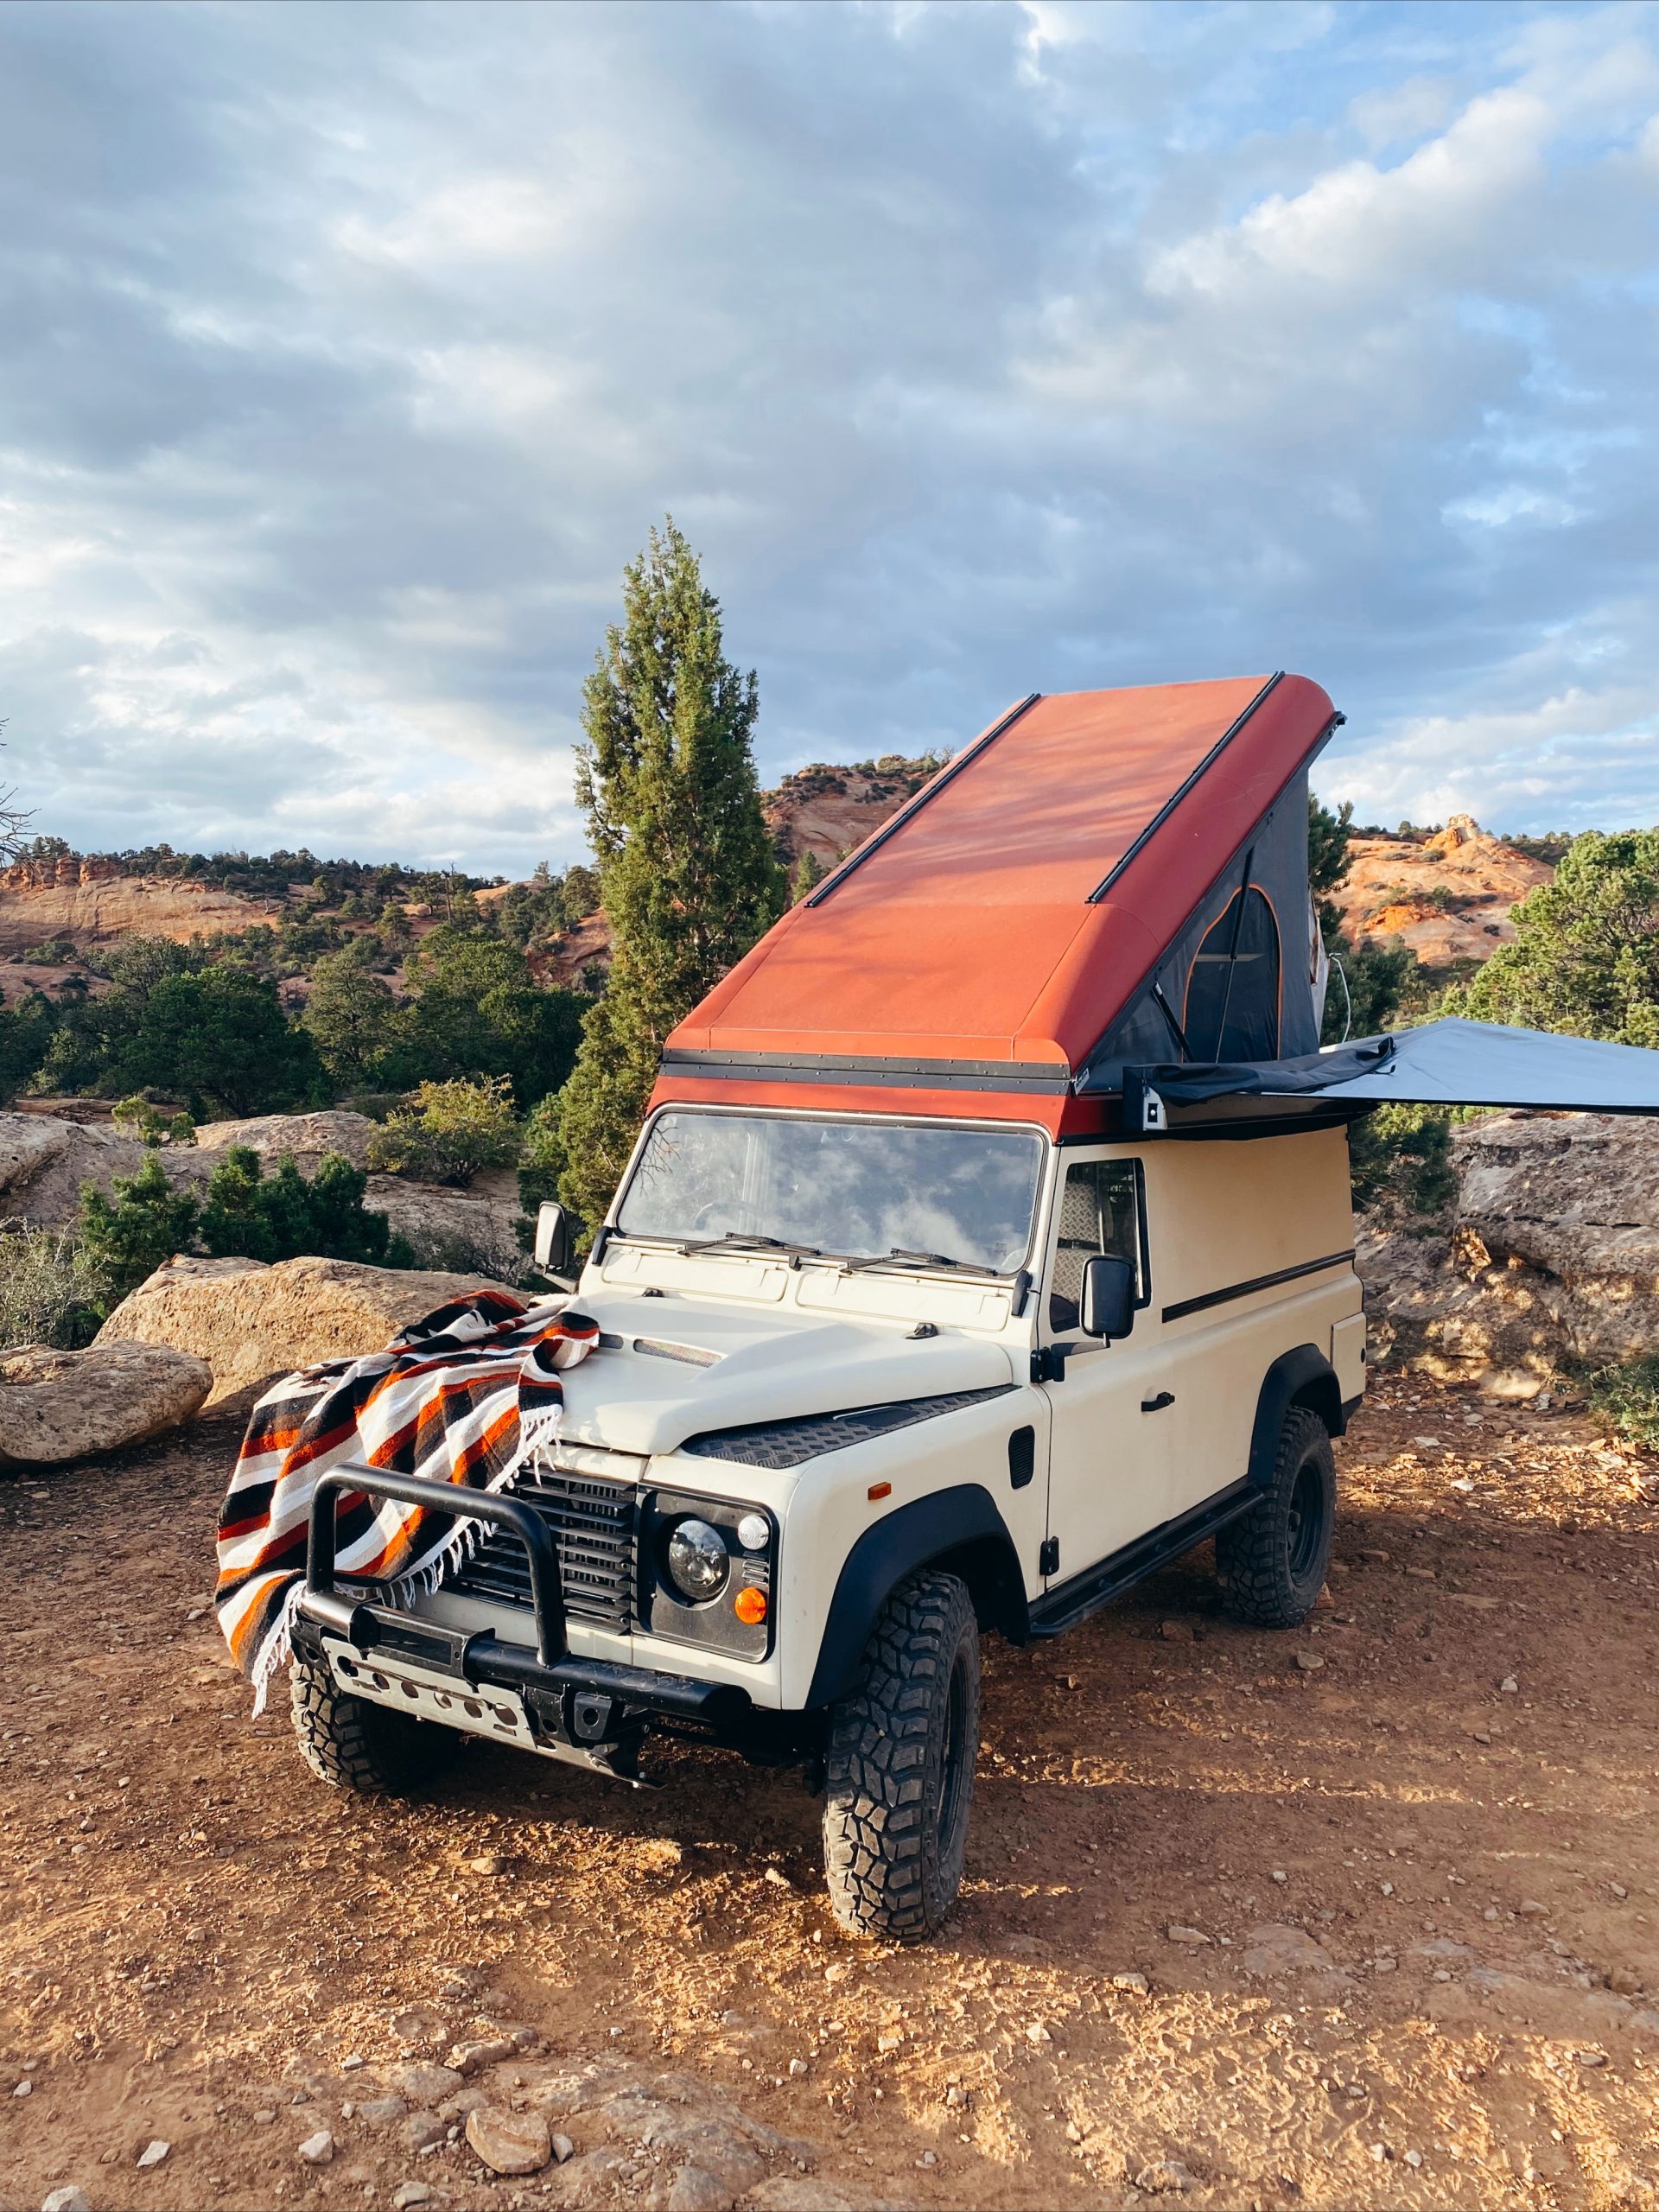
(988, 1245)
(864, 1388)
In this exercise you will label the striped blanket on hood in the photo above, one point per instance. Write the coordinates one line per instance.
(469, 1395)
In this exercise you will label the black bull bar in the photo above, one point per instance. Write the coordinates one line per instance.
(560, 1690)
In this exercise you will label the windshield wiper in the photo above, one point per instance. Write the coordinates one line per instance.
(738, 1240)
(899, 1257)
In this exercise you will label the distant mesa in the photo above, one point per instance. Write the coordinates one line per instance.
(1447, 896)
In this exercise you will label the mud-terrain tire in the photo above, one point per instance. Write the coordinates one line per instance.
(899, 1765)
(1272, 1561)
(353, 1744)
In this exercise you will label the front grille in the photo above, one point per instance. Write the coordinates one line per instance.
(595, 1526)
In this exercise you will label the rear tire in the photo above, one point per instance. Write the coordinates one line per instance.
(1272, 1561)
(899, 1766)
(351, 1744)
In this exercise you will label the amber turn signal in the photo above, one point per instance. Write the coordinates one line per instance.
(750, 1606)
(880, 1490)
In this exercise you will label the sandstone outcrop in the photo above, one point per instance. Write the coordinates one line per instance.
(44, 1161)
(1448, 897)
(56, 1406)
(1553, 1260)
(249, 1322)
(94, 908)
(308, 1136)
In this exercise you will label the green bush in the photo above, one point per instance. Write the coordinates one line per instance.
(141, 1118)
(281, 1215)
(1401, 1158)
(1626, 1400)
(138, 1228)
(452, 1131)
(52, 1289)
(245, 1213)
(540, 1157)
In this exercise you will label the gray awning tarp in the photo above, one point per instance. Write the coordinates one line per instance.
(1443, 1064)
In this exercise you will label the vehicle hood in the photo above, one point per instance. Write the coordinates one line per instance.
(764, 1367)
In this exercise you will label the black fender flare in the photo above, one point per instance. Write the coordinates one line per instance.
(1301, 1377)
(961, 1526)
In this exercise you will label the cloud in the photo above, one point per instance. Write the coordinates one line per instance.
(350, 352)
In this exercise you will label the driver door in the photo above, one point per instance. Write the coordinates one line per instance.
(1112, 1432)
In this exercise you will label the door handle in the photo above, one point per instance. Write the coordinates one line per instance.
(1156, 1405)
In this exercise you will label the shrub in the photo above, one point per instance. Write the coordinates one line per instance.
(138, 1228)
(245, 1212)
(1626, 1400)
(281, 1215)
(141, 1118)
(452, 1131)
(52, 1291)
(1401, 1158)
(540, 1157)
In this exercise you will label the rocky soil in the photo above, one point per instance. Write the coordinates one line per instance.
(1365, 1915)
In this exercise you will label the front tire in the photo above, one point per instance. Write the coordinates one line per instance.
(353, 1744)
(1272, 1561)
(899, 1767)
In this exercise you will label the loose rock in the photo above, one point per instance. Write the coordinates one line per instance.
(70, 2199)
(419, 2130)
(1136, 1984)
(1165, 2178)
(410, 2193)
(424, 2084)
(1310, 1662)
(152, 2154)
(58, 1406)
(510, 2142)
(694, 2190)
(317, 2150)
(564, 2148)
(1190, 1936)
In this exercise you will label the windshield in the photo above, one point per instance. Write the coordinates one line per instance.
(856, 1190)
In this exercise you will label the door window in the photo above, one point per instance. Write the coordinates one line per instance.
(1100, 1211)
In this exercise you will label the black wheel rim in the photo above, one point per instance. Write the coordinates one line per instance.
(1305, 1527)
(955, 1728)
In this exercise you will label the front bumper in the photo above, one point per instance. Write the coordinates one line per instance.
(542, 1699)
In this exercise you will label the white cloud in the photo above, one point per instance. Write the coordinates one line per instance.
(979, 349)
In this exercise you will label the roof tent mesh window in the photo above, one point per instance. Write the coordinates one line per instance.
(1233, 987)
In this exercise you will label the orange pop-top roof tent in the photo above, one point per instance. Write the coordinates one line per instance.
(971, 956)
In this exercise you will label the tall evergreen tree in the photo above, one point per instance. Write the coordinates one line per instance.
(688, 875)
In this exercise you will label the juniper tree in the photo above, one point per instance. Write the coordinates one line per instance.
(688, 875)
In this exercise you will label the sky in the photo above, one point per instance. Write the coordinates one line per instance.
(346, 353)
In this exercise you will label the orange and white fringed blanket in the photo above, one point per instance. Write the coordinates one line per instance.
(466, 1395)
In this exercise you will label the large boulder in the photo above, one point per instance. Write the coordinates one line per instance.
(44, 1161)
(67, 1405)
(308, 1136)
(449, 1228)
(250, 1322)
(1553, 1260)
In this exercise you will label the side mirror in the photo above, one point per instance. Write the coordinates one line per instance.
(553, 1238)
(1108, 1298)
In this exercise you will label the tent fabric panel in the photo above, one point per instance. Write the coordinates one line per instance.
(1278, 854)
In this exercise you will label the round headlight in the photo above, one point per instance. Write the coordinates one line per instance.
(754, 1532)
(698, 1562)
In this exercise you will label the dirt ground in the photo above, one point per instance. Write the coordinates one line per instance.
(1448, 1784)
